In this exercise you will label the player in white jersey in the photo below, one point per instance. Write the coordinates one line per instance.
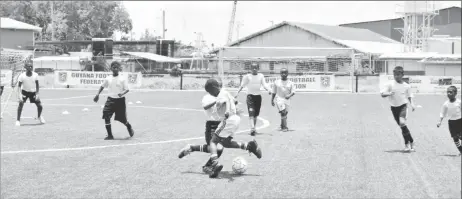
(253, 82)
(451, 109)
(28, 88)
(118, 87)
(211, 124)
(226, 107)
(283, 90)
(399, 95)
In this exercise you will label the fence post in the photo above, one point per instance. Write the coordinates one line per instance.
(240, 78)
(181, 80)
(356, 82)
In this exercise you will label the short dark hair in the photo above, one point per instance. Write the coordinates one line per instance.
(115, 63)
(210, 84)
(453, 87)
(398, 69)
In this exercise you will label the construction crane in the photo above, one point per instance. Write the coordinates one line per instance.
(231, 23)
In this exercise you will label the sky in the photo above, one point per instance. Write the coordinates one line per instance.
(183, 19)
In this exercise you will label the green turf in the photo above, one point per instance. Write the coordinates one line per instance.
(341, 146)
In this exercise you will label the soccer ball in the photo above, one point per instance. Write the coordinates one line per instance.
(239, 165)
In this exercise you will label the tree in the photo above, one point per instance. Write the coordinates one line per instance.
(72, 20)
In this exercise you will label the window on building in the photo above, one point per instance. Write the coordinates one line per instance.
(271, 65)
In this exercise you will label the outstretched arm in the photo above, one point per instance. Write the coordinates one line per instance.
(265, 85)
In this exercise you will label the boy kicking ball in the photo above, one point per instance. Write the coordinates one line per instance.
(283, 90)
(451, 109)
(115, 103)
(227, 128)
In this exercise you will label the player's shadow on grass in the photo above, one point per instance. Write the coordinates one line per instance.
(450, 155)
(34, 124)
(397, 151)
(125, 138)
(223, 175)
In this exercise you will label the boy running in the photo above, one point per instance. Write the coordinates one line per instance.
(283, 90)
(399, 95)
(213, 120)
(253, 82)
(28, 88)
(451, 109)
(115, 103)
(226, 107)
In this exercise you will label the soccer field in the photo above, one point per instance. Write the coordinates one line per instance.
(340, 146)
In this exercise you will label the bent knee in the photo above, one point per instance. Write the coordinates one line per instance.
(402, 121)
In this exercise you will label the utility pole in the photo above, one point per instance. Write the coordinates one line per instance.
(52, 22)
(163, 24)
(238, 27)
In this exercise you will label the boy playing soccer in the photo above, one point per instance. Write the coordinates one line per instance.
(28, 88)
(399, 95)
(226, 107)
(115, 103)
(451, 109)
(284, 89)
(253, 82)
(213, 120)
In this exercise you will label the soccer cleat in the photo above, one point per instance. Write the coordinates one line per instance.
(407, 148)
(185, 151)
(285, 129)
(215, 170)
(253, 132)
(41, 119)
(131, 132)
(207, 169)
(18, 123)
(109, 138)
(412, 147)
(252, 147)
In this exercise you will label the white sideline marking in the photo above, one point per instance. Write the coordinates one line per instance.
(266, 124)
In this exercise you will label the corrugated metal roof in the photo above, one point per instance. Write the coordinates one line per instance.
(343, 33)
(373, 47)
(7, 23)
(154, 57)
(359, 39)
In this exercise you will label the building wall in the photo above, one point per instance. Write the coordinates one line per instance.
(442, 69)
(448, 22)
(14, 38)
(282, 37)
(380, 27)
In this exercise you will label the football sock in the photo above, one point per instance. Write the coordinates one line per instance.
(128, 125)
(19, 111)
(201, 148)
(407, 135)
(39, 110)
(109, 130)
(458, 144)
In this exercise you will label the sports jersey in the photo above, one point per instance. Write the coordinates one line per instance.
(253, 83)
(115, 85)
(211, 113)
(451, 110)
(283, 88)
(225, 97)
(401, 93)
(28, 83)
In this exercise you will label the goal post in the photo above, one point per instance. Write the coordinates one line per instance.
(12, 65)
(311, 69)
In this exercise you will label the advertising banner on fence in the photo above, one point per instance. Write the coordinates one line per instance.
(92, 79)
(426, 84)
(5, 77)
(309, 82)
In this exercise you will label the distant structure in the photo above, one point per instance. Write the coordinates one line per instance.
(418, 27)
(447, 22)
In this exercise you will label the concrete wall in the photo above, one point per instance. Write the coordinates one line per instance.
(14, 38)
